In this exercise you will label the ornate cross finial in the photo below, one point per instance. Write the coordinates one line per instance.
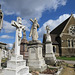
(48, 29)
(24, 34)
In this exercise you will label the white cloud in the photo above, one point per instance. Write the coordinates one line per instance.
(30, 8)
(52, 24)
(27, 9)
(27, 24)
(6, 37)
(8, 28)
(9, 45)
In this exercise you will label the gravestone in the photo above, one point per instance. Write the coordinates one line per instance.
(49, 55)
(36, 60)
(16, 65)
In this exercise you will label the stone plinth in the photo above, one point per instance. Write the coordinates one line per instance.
(23, 48)
(36, 60)
(49, 55)
(16, 66)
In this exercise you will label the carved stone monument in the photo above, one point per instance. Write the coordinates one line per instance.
(49, 55)
(23, 46)
(17, 66)
(36, 60)
(1, 18)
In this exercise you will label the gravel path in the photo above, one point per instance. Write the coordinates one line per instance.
(67, 61)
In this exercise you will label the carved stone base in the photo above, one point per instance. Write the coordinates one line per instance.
(16, 66)
(38, 65)
(50, 59)
(49, 55)
(36, 60)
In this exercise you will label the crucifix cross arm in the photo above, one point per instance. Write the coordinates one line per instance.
(15, 24)
(38, 25)
(31, 20)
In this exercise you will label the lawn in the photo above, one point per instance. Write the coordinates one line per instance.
(66, 58)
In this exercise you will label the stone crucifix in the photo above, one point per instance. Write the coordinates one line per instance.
(19, 28)
(33, 31)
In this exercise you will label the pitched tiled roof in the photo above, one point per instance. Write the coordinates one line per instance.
(57, 31)
(3, 43)
(60, 27)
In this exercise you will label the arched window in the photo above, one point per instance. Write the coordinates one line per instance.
(54, 49)
(72, 43)
(68, 42)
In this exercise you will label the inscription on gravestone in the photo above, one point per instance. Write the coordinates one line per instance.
(33, 50)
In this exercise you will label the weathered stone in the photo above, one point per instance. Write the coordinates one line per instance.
(1, 18)
(49, 55)
(36, 60)
(17, 66)
(23, 46)
(33, 31)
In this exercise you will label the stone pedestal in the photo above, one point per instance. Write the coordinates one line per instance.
(16, 66)
(36, 60)
(49, 55)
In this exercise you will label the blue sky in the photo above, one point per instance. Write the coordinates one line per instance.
(47, 12)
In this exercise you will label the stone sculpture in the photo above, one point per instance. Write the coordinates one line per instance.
(35, 60)
(33, 31)
(16, 65)
(1, 18)
(49, 55)
(19, 28)
(48, 38)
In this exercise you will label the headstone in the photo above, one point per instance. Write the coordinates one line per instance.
(16, 65)
(36, 60)
(49, 55)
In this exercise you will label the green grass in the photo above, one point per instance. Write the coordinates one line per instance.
(3, 60)
(66, 58)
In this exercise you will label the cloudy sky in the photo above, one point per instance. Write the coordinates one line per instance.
(47, 12)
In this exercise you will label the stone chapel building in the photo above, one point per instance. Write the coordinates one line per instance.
(63, 38)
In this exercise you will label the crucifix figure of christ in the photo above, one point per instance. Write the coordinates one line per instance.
(19, 28)
(33, 31)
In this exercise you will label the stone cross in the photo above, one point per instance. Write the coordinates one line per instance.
(33, 31)
(19, 28)
(48, 29)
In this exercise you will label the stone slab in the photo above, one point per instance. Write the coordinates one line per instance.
(36, 60)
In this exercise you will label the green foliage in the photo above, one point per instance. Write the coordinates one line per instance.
(4, 60)
(66, 58)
